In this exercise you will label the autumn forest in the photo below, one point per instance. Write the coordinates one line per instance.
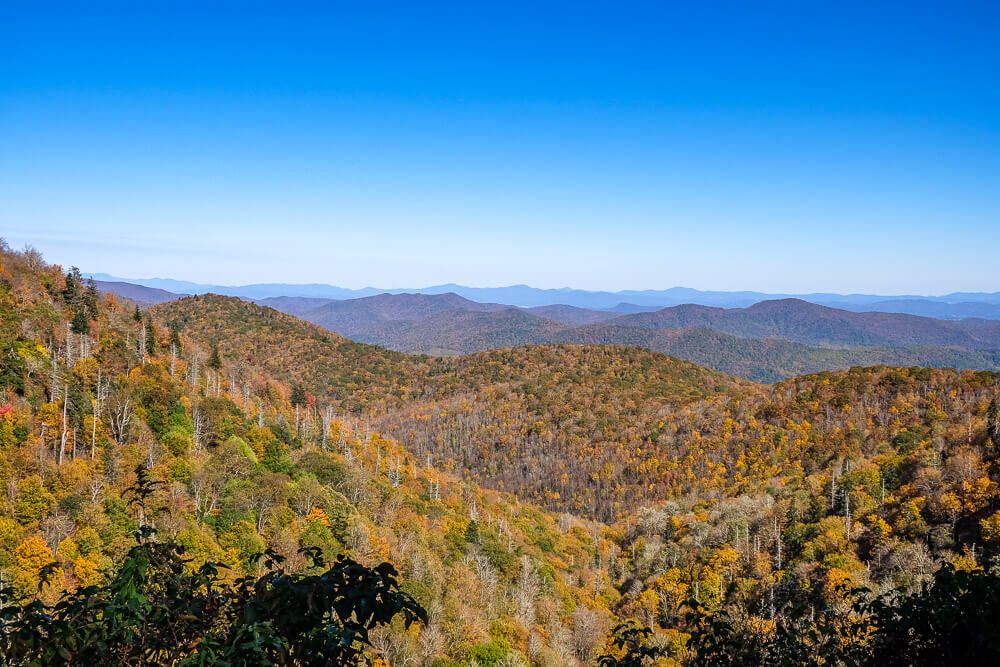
(177, 477)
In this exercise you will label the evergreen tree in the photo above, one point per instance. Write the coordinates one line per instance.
(298, 394)
(72, 291)
(175, 337)
(215, 361)
(81, 321)
(993, 423)
(150, 337)
(137, 315)
(91, 298)
(472, 533)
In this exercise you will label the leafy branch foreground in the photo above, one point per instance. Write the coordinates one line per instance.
(951, 620)
(156, 610)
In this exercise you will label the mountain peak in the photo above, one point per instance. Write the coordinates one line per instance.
(788, 305)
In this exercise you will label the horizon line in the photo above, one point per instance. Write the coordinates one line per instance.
(107, 277)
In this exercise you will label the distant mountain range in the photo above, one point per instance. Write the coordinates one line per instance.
(951, 306)
(149, 296)
(766, 341)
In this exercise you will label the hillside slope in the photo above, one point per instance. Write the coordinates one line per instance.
(353, 375)
(243, 462)
(585, 403)
(774, 359)
(766, 342)
(810, 324)
(733, 500)
(137, 293)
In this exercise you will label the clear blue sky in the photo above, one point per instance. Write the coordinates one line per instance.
(785, 147)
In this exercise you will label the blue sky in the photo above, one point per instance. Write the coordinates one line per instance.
(783, 147)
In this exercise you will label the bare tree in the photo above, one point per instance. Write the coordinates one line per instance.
(55, 528)
(198, 431)
(99, 400)
(119, 406)
(589, 631)
(65, 430)
(526, 591)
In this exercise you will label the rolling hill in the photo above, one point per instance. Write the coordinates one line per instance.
(811, 324)
(725, 495)
(140, 294)
(766, 342)
(353, 375)
(581, 402)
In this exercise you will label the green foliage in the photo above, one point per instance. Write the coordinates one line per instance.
(214, 360)
(175, 339)
(326, 468)
(81, 321)
(631, 647)
(472, 532)
(298, 394)
(763, 504)
(951, 620)
(150, 336)
(906, 442)
(491, 654)
(32, 501)
(240, 445)
(155, 610)
(178, 440)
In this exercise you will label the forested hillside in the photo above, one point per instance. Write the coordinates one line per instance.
(93, 388)
(554, 424)
(531, 498)
(354, 376)
(811, 324)
(775, 359)
(869, 478)
(767, 342)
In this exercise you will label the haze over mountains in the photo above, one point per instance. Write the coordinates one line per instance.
(766, 341)
(950, 306)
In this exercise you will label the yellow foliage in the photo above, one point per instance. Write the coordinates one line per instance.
(880, 528)
(977, 494)
(87, 571)
(67, 550)
(967, 561)
(990, 527)
(837, 579)
(32, 555)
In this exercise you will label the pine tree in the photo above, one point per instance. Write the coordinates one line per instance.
(472, 533)
(71, 293)
(91, 297)
(215, 361)
(150, 337)
(175, 337)
(298, 394)
(993, 423)
(81, 321)
(137, 315)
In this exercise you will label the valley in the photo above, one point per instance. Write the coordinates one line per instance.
(765, 342)
(531, 496)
